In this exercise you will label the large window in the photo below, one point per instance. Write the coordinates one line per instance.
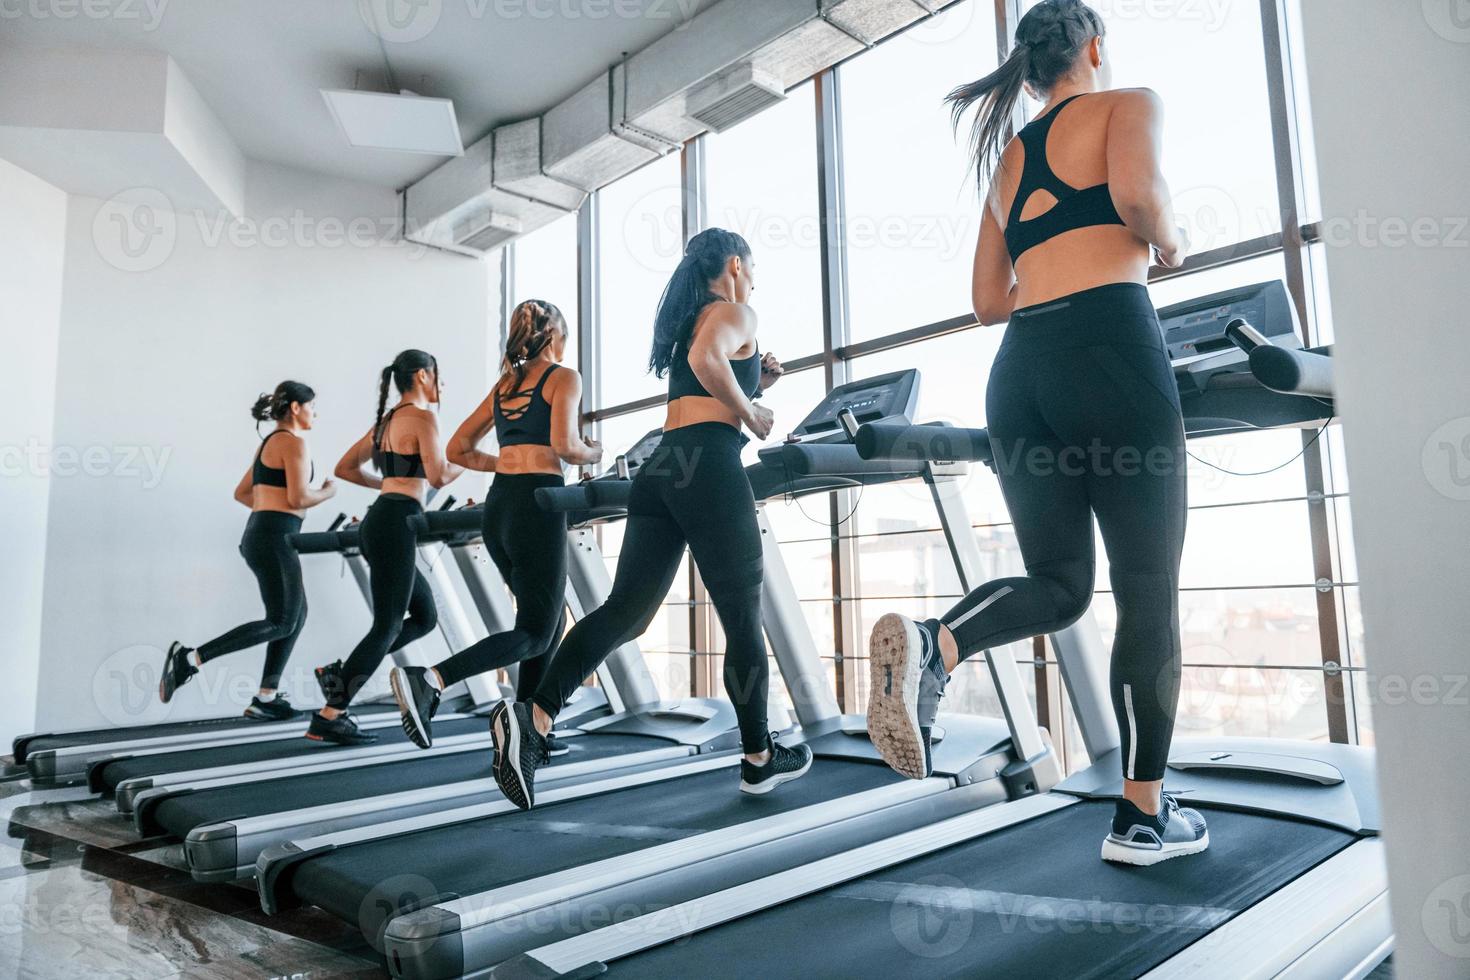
(762, 180)
(545, 268)
(640, 241)
(1269, 607)
(911, 204)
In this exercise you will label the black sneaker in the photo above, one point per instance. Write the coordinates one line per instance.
(1143, 839)
(417, 702)
(176, 671)
(785, 764)
(341, 730)
(519, 751)
(906, 679)
(276, 709)
(555, 746)
(330, 680)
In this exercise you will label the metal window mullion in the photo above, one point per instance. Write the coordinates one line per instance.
(1287, 152)
(589, 303)
(831, 214)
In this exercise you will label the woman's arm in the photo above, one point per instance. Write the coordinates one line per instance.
(438, 470)
(244, 490)
(1140, 193)
(299, 494)
(993, 286)
(724, 329)
(353, 466)
(565, 394)
(462, 451)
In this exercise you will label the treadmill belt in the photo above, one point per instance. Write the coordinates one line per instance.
(134, 767)
(1031, 901)
(65, 740)
(181, 814)
(476, 855)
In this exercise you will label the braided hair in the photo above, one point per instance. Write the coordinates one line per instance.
(1048, 40)
(276, 405)
(400, 373)
(533, 326)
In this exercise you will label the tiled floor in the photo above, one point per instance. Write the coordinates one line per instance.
(80, 896)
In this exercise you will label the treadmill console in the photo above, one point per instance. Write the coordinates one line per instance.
(634, 457)
(1195, 331)
(869, 400)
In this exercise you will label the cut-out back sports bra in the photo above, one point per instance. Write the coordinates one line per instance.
(399, 466)
(684, 383)
(262, 475)
(528, 424)
(1075, 208)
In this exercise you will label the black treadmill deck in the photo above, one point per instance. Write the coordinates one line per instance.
(364, 883)
(1034, 900)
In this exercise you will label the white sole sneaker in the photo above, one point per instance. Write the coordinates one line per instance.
(761, 788)
(893, 694)
(507, 748)
(413, 725)
(1143, 857)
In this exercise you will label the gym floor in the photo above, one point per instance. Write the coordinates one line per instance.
(84, 897)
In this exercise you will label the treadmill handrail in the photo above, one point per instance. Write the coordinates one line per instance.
(927, 442)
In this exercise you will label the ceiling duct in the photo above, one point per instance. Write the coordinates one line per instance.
(733, 97)
(485, 230)
(733, 59)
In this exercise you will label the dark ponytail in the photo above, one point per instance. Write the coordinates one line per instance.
(276, 405)
(401, 373)
(1048, 40)
(688, 293)
(532, 326)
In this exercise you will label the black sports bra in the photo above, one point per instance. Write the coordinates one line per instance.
(683, 383)
(528, 424)
(1084, 208)
(396, 466)
(262, 475)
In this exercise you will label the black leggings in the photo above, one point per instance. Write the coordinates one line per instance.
(266, 548)
(691, 491)
(1084, 419)
(529, 547)
(390, 545)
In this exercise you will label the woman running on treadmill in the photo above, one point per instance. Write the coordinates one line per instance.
(1082, 409)
(404, 447)
(277, 489)
(534, 410)
(692, 491)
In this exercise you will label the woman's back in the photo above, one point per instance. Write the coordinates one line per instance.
(1062, 231)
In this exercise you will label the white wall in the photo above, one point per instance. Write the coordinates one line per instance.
(172, 326)
(1390, 87)
(32, 235)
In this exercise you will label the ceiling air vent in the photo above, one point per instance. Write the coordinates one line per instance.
(732, 97)
(486, 230)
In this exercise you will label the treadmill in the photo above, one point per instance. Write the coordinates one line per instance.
(109, 766)
(468, 887)
(62, 758)
(1293, 884)
(226, 818)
